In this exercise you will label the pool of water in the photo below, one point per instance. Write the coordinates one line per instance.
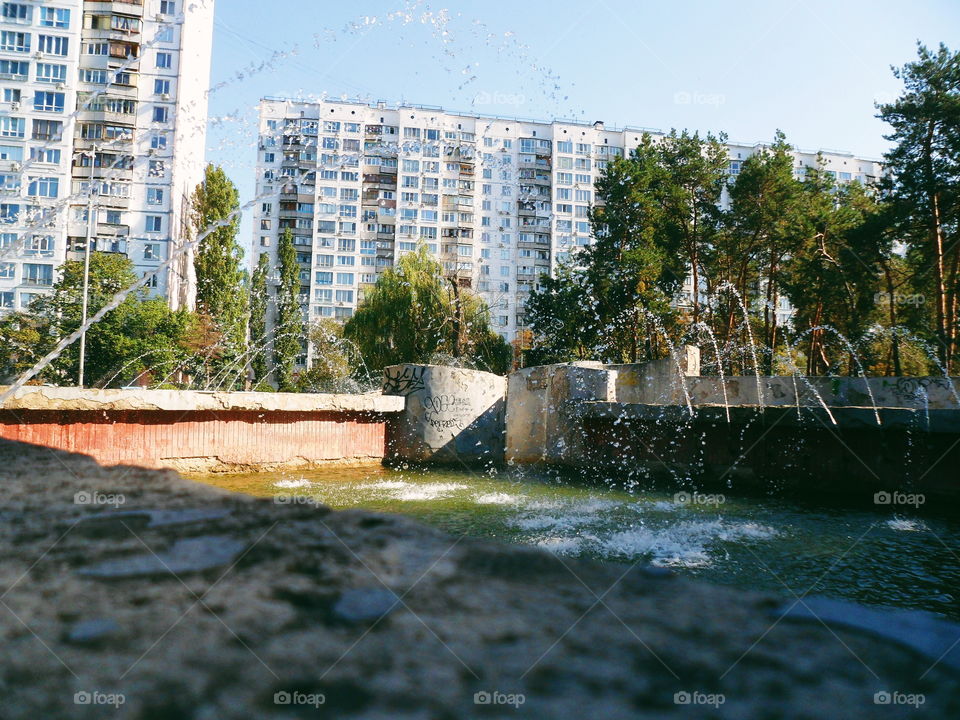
(874, 557)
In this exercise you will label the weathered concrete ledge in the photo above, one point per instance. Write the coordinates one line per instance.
(202, 432)
(191, 603)
(67, 398)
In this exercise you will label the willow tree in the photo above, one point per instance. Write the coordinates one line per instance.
(218, 263)
(414, 314)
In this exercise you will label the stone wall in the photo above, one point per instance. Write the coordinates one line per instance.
(450, 415)
(201, 432)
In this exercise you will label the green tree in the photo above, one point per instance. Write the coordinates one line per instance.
(413, 314)
(607, 304)
(221, 292)
(689, 184)
(288, 325)
(333, 359)
(759, 233)
(832, 278)
(924, 179)
(259, 301)
(142, 335)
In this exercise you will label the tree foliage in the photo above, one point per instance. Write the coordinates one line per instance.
(259, 302)
(289, 329)
(218, 264)
(414, 314)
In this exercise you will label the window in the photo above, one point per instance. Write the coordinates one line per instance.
(55, 17)
(344, 278)
(44, 187)
(48, 101)
(47, 130)
(8, 271)
(158, 141)
(154, 196)
(168, 7)
(51, 73)
(11, 95)
(14, 41)
(6, 300)
(45, 155)
(564, 146)
(113, 217)
(151, 251)
(39, 246)
(324, 278)
(11, 153)
(156, 168)
(161, 87)
(164, 60)
(154, 223)
(160, 114)
(14, 69)
(53, 44)
(96, 48)
(40, 275)
(17, 13)
(164, 34)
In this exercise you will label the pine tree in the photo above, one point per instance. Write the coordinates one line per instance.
(218, 264)
(924, 176)
(289, 325)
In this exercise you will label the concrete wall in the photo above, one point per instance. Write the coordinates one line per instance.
(450, 415)
(201, 431)
(542, 409)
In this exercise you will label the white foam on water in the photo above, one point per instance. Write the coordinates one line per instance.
(299, 483)
(429, 491)
(498, 498)
(561, 545)
(906, 525)
(387, 485)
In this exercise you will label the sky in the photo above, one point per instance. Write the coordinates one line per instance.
(811, 68)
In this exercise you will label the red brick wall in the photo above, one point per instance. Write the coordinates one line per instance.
(148, 437)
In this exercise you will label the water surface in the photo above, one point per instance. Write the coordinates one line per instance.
(881, 558)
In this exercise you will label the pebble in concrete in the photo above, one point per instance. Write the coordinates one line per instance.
(92, 631)
(185, 556)
(365, 604)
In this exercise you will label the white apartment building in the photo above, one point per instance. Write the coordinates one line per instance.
(499, 201)
(113, 92)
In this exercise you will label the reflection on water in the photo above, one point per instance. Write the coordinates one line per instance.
(873, 557)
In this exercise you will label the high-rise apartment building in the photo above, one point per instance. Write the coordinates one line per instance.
(103, 107)
(499, 201)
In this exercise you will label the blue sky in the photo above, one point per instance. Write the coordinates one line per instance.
(812, 68)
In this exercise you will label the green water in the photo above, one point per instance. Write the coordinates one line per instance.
(881, 558)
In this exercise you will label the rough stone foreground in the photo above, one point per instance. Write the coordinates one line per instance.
(272, 598)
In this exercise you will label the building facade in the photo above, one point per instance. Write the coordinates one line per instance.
(499, 201)
(102, 131)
